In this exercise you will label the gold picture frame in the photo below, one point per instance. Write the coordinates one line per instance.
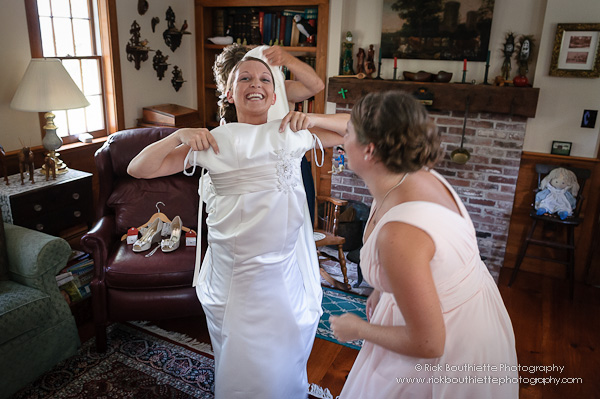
(576, 51)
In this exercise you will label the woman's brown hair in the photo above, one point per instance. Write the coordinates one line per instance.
(399, 127)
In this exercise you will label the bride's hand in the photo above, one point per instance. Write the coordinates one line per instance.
(198, 139)
(297, 121)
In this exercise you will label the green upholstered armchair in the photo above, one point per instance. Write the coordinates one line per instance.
(37, 329)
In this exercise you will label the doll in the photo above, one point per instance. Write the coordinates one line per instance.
(557, 193)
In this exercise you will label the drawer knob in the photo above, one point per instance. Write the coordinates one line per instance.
(37, 207)
(76, 196)
(77, 214)
(39, 227)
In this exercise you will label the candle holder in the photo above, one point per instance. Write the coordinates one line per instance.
(485, 78)
(464, 78)
(379, 72)
(395, 69)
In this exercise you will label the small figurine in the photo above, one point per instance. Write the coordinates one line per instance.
(305, 28)
(508, 50)
(370, 64)
(50, 165)
(26, 163)
(522, 56)
(360, 61)
(347, 60)
(557, 193)
(339, 161)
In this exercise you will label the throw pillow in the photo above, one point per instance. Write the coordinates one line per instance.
(3, 254)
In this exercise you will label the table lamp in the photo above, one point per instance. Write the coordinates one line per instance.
(45, 87)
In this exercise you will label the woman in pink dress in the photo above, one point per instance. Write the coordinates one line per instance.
(437, 325)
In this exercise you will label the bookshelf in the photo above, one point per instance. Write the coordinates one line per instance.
(206, 12)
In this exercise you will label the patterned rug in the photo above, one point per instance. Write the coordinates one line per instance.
(336, 303)
(137, 364)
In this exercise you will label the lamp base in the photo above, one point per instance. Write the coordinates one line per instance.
(59, 166)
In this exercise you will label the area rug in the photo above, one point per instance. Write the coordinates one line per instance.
(336, 303)
(137, 364)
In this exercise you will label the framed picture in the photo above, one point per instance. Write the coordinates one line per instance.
(576, 51)
(561, 148)
(436, 30)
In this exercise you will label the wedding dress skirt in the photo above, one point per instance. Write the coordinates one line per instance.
(259, 282)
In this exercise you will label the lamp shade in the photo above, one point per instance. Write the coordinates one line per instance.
(47, 86)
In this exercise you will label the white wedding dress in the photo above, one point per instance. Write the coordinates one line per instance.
(259, 282)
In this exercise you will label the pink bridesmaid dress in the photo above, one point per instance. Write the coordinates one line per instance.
(479, 359)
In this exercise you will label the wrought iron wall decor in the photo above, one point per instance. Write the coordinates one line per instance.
(154, 22)
(172, 35)
(137, 51)
(177, 79)
(159, 63)
(142, 6)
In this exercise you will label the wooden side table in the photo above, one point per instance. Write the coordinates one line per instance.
(49, 206)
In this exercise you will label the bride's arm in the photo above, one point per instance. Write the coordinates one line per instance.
(166, 156)
(330, 128)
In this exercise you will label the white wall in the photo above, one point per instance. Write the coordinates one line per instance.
(141, 88)
(17, 128)
(561, 105)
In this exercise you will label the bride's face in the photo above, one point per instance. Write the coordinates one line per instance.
(253, 91)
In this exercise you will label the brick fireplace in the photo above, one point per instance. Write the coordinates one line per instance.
(486, 183)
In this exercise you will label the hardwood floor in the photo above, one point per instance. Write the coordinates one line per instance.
(549, 330)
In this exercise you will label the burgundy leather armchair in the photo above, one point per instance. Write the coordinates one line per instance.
(128, 285)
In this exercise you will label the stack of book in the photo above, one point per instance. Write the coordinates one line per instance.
(74, 280)
(250, 25)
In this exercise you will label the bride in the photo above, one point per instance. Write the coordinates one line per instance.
(259, 281)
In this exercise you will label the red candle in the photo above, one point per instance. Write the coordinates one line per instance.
(395, 62)
(465, 65)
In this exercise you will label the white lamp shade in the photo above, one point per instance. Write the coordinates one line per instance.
(47, 86)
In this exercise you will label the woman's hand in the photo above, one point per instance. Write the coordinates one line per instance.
(277, 56)
(372, 302)
(198, 139)
(346, 327)
(297, 120)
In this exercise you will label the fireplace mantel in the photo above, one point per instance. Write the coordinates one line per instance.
(521, 101)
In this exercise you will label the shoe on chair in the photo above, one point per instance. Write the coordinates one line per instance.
(151, 236)
(172, 243)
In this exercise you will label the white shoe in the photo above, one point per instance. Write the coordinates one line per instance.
(151, 236)
(172, 243)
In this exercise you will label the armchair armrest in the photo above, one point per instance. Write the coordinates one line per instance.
(34, 258)
(99, 241)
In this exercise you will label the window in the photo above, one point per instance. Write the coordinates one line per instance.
(69, 30)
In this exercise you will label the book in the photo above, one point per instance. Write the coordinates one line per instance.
(72, 291)
(295, 36)
(281, 30)
(287, 38)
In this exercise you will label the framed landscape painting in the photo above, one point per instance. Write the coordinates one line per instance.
(436, 29)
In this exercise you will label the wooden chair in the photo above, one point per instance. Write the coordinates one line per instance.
(326, 224)
(554, 221)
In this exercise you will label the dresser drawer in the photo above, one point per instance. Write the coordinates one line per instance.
(51, 199)
(50, 206)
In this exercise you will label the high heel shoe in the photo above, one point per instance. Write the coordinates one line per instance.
(172, 243)
(151, 236)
